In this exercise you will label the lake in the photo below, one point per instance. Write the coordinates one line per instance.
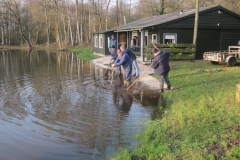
(54, 106)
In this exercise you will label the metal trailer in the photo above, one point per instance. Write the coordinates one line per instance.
(229, 56)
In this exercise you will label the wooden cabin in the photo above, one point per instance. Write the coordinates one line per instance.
(218, 28)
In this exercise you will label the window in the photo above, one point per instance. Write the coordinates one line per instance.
(134, 33)
(96, 40)
(169, 38)
(146, 37)
(154, 38)
(100, 41)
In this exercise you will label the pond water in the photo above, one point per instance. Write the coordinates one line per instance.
(54, 106)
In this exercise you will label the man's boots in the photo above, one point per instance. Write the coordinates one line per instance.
(168, 86)
(161, 89)
(124, 83)
(127, 83)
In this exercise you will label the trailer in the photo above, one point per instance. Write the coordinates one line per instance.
(229, 56)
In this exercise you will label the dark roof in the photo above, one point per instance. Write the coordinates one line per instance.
(165, 18)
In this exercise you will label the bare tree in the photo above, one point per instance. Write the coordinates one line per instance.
(2, 25)
(77, 25)
(47, 23)
(117, 12)
(81, 28)
(14, 8)
(69, 24)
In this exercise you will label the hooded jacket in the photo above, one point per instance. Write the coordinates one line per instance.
(131, 55)
(114, 54)
(160, 63)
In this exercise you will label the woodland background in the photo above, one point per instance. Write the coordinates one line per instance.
(73, 22)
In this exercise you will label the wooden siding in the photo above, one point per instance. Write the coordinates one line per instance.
(108, 34)
(207, 40)
(209, 19)
(151, 31)
(104, 50)
(229, 38)
(183, 35)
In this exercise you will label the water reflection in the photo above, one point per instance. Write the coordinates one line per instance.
(54, 106)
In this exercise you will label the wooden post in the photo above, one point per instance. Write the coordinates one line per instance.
(238, 93)
(142, 44)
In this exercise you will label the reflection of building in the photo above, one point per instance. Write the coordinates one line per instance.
(217, 29)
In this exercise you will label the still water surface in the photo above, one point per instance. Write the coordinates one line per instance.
(56, 107)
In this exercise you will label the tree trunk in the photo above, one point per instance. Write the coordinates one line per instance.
(90, 26)
(2, 26)
(57, 25)
(106, 15)
(36, 36)
(69, 25)
(77, 21)
(9, 29)
(117, 12)
(64, 23)
(23, 35)
(47, 23)
(196, 22)
(81, 31)
(2, 34)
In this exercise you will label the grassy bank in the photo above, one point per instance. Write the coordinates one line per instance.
(203, 121)
(84, 53)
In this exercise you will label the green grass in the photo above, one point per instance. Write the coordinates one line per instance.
(203, 120)
(84, 53)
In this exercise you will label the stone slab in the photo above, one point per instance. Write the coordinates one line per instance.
(147, 80)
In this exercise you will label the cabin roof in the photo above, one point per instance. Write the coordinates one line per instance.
(166, 18)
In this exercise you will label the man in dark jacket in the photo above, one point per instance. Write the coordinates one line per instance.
(133, 58)
(114, 55)
(160, 63)
(124, 60)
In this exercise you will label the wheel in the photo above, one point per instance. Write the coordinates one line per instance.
(214, 62)
(231, 62)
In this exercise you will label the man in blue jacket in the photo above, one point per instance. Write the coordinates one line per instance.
(124, 60)
(133, 58)
(112, 42)
(160, 63)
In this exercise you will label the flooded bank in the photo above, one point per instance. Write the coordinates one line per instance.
(55, 106)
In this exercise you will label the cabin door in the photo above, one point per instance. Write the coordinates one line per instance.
(122, 38)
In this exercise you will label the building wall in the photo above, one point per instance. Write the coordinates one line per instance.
(207, 40)
(96, 41)
(217, 30)
(183, 35)
(229, 38)
(214, 19)
(104, 50)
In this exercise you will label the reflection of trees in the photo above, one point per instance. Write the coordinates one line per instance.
(57, 89)
(64, 97)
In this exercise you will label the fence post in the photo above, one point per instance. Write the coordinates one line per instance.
(238, 93)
